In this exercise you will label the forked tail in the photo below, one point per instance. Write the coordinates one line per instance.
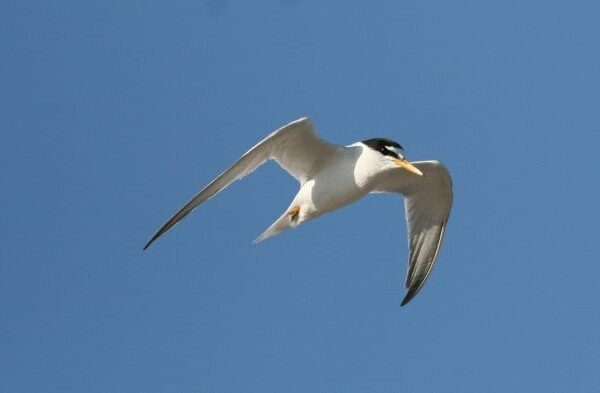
(287, 220)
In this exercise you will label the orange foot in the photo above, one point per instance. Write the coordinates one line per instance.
(293, 213)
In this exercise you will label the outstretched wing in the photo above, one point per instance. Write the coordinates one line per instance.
(428, 203)
(296, 148)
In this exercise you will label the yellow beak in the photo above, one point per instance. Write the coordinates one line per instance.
(408, 166)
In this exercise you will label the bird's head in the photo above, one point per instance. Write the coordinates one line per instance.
(391, 153)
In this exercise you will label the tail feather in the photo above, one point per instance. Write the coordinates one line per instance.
(281, 224)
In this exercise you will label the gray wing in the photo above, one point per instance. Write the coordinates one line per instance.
(427, 204)
(296, 148)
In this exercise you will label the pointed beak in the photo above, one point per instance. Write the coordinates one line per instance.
(408, 166)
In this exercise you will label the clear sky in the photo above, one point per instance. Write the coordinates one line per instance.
(113, 114)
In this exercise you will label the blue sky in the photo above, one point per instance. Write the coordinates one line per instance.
(114, 114)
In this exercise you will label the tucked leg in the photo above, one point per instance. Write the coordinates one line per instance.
(293, 213)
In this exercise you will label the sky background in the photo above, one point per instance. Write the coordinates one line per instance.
(114, 114)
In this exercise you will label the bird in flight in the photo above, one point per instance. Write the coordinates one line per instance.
(333, 176)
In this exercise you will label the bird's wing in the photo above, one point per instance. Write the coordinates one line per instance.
(428, 203)
(296, 148)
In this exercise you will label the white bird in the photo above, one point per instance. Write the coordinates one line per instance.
(332, 176)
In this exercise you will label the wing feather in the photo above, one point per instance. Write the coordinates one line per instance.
(427, 205)
(296, 148)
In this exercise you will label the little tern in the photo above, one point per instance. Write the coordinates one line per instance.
(333, 176)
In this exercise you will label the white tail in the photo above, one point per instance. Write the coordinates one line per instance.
(284, 222)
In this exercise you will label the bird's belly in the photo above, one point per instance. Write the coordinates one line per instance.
(330, 191)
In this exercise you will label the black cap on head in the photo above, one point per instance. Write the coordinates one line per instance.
(381, 145)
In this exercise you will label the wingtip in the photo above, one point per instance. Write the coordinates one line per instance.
(149, 242)
(409, 296)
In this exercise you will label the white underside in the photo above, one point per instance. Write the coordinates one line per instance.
(331, 177)
(336, 185)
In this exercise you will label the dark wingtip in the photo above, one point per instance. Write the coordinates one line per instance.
(409, 296)
(150, 241)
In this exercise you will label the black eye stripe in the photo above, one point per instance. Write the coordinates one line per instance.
(390, 153)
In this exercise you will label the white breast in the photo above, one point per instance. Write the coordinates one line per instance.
(339, 183)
